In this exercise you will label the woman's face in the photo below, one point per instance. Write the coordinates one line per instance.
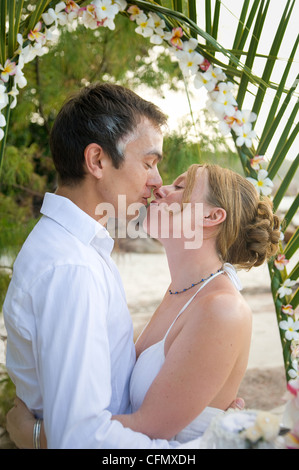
(171, 215)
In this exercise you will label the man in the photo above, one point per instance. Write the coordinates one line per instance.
(70, 348)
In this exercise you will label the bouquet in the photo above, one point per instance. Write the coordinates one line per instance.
(246, 429)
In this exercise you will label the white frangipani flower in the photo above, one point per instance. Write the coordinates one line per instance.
(109, 23)
(263, 184)
(217, 74)
(89, 17)
(57, 15)
(245, 135)
(3, 97)
(294, 372)
(189, 62)
(245, 117)
(286, 288)
(14, 93)
(223, 94)
(190, 45)
(2, 124)
(223, 109)
(146, 26)
(121, 4)
(159, 36)
(291, 328)
(159, 23)
(134, 12)
(204, 79)
(105, 9)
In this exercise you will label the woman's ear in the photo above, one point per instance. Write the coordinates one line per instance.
(94, 157)
(214, 216)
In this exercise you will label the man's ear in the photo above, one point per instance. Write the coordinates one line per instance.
(214, 216)
(94, 159)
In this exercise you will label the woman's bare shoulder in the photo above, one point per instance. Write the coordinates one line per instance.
(223, 305)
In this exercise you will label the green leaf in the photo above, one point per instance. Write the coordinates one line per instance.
(3, 13)
(294, 274)
(284, 144)
(290, 214)
(244, 29)
(285, 183)
(3, 141)
(259, 23)
(192, 10)
(273, 121)
(11, 28)
(292, 245)
(208, 16)
(295, 299)
(272, 55)
(216, 19)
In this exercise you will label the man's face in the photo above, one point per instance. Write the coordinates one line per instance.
(139, 174)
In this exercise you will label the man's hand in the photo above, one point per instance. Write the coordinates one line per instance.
(19, 424)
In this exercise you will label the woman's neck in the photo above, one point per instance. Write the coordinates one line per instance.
(188, 267)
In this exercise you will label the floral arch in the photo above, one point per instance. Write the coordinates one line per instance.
(220, 71)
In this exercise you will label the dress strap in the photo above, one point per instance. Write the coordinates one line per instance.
(190, 300)
(230, 270)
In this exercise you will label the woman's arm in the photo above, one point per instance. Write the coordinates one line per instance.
(198, 364)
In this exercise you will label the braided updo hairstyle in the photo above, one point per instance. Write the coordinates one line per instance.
(250, 233)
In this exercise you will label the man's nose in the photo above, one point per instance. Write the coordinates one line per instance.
(155, 180)
(160, 192)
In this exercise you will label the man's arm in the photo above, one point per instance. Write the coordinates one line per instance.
(73, 360)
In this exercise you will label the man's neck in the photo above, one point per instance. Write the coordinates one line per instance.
(80, 195)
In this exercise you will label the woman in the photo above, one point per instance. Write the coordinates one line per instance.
(193, 353)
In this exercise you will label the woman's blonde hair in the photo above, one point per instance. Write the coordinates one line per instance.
(250, 233)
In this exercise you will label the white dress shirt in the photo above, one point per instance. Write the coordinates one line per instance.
(70, 348)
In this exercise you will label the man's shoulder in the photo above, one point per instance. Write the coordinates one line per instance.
(49, 247)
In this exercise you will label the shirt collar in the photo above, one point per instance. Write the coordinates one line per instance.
(67, 214)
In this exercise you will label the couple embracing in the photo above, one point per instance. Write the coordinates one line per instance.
(70, 349)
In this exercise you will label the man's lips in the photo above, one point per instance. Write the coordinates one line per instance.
(146, 200)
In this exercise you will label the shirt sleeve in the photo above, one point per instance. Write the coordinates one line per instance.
(73, 360)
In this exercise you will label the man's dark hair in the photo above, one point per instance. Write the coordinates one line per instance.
(102, 114)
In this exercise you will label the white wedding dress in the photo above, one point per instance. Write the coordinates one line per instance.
(151, 360)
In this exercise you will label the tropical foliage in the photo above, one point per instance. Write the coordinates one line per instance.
(233, 75)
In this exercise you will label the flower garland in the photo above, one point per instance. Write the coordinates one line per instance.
(101, 13)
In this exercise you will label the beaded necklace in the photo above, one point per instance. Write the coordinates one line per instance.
(196, 284)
